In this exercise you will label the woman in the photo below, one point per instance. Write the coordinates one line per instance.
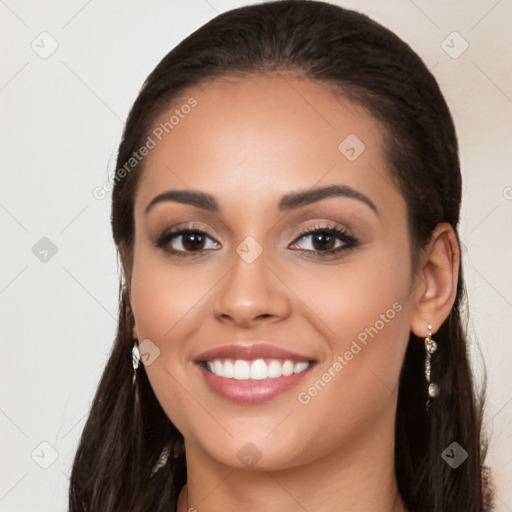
(285, 207)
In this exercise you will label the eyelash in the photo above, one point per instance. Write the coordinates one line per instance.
(167, 236)
(349, 241)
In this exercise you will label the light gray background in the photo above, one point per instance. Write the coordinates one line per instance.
(62, 118)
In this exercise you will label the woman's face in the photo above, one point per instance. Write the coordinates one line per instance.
(258, 285)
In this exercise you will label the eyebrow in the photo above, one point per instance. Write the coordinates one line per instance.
(288, 202)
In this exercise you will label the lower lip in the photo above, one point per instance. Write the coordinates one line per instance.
(252, 391)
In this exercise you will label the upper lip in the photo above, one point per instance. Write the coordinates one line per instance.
(250, 352)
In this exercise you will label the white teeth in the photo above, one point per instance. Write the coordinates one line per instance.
(228, 370)
(258, 369)
(240, 368)
(275, 369)
(287, 368)
(217, 365)
(300, 367)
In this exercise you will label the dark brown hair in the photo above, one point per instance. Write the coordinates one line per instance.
(127, 431)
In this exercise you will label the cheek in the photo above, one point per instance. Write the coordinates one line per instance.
(364, 298)
(165, 296)
(158, 302)
(169, 301)
(357, 387)
(363, 311)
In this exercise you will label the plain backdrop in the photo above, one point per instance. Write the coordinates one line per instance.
(70, 72)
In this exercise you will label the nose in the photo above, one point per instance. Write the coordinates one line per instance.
(251, 294)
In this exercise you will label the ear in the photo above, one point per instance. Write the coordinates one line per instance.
(436, 281)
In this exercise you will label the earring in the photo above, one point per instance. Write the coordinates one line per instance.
(430, 348)
(135, 355)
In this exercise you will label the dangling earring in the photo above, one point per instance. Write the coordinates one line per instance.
(135, 355)
(430, 348)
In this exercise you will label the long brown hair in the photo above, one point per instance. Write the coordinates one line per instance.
(127, 430)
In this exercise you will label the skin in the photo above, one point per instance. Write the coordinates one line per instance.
(248, 142)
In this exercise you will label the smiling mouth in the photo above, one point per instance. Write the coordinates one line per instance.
(252, 373)
(257, 369)
(253, 381)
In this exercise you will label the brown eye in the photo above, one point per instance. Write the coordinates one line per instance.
(192, 241)
(185, 241)
(323, 241)
(326, 241)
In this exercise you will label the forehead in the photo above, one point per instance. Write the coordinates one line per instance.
(256, 138)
